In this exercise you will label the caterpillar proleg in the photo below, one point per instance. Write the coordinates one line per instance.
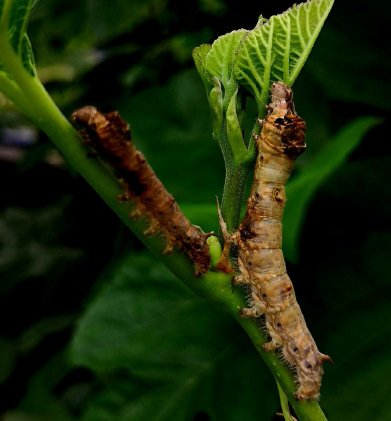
(259, 241)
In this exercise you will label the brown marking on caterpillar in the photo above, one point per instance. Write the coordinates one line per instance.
(110, 137)
(259, 240)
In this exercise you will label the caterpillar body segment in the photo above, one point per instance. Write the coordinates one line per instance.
(109, 136)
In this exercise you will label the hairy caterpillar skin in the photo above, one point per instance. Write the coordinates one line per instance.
(110, 137)
(259, 240)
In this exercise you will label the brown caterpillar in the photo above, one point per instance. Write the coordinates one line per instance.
(259, 240)
(110, 137)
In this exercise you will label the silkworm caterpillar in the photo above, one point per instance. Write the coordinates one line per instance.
(259, 240)
(110, 137)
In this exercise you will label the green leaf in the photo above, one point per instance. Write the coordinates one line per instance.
(226, 125)
(16, 56)
(161, 403)
(302, 188)
(27, 55)
(278, 48)
(216, 108)
(13, 24)
(156, 312)
(234, 132)
(199, 57)
(220, 59)
(171, 351)
(17, 22)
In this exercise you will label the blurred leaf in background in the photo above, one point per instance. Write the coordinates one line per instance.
(172, 350)
(94, 329)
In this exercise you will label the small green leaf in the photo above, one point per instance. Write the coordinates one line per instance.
(14, 16)
(234, 132)
(199, 57)
(223, 97)
(18, 14)
(220, 59)
(27, 55)
(302, 188)
(216, 108)
(277, 49)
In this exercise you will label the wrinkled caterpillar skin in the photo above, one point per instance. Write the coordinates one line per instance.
(109, 135)
(259, 240)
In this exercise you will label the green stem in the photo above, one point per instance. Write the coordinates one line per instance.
(235, 181)
(238, 166)
(11, 90)
(217, 286)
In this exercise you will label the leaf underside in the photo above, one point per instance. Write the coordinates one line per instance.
(278, 48)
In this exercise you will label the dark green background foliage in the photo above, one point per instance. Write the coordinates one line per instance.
(92, 327)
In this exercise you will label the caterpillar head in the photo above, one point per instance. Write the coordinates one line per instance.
(281, 97)
(309, 372)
